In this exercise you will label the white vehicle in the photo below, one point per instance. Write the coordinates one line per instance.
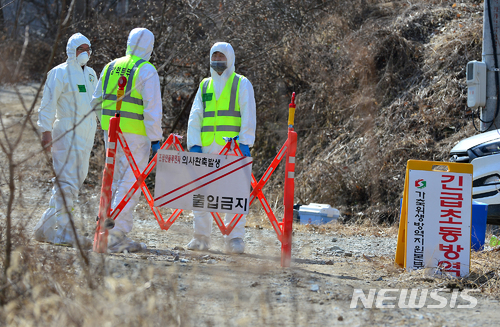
(483, 152)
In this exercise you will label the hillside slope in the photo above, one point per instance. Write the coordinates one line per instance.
(396, 92)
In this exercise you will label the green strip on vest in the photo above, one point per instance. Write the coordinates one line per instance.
(82, 88)
(207, 97)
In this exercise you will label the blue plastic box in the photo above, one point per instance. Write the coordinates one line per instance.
(478, 225)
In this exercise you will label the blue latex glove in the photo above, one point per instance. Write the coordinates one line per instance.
(245, 150)
(155, 146)
(195, 148)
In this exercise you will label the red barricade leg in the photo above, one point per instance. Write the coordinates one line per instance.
(101, 233)
(103, 221)
(286, 243)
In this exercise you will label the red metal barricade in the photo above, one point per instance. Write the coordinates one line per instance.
(106, 216)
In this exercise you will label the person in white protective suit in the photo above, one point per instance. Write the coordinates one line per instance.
(65, 116)
(224, 107)
(140, 122)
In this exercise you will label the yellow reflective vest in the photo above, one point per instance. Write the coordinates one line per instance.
(221, 118)
(132, 109)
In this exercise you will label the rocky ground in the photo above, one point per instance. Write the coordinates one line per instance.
(167, 284)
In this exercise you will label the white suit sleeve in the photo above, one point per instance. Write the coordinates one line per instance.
(148, 85)
(96, 102)
(48, 107)
(246, 101)
(195, 121)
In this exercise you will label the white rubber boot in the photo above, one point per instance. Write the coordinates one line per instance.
(119, 242)
(199, 243)
(235, 246)
(51, 229)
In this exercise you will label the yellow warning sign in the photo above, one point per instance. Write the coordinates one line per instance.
(434, 228)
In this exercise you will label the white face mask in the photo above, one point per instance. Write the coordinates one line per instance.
(83, 58)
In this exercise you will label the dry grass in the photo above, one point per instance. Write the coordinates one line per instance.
(485, 272)
(364, 228)
(52, 289)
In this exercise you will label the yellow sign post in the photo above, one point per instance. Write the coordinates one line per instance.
(434, 229)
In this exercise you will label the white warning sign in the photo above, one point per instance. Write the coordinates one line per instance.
(204, 182)
(439, 221)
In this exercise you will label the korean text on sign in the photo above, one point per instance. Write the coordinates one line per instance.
(205, 182)
(438, 221)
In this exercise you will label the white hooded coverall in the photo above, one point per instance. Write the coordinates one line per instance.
(246, 100)
(140, 43)
(66, 112)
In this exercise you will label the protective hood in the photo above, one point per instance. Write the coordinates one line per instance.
(74, 42)
(140, 43)
(220, 81)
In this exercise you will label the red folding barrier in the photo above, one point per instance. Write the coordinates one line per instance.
(106, 216)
